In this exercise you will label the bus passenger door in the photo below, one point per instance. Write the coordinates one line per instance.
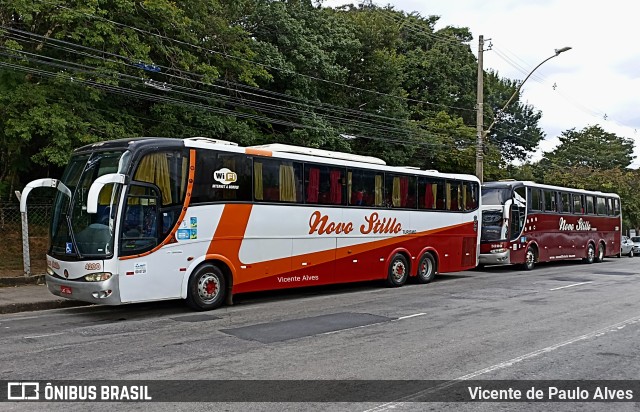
(145, 272)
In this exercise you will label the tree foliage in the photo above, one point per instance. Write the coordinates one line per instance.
(593, 159)
(367, 79)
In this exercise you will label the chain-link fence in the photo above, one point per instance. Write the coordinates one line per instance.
(11, 258)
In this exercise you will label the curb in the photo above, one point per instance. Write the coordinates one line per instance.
(20, 281)
(33, 306)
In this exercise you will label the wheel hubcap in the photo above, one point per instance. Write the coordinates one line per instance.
(398, 270)
(208, 287)
(425, 268)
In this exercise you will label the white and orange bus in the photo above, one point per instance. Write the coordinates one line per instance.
(201, 219)
(526, 222)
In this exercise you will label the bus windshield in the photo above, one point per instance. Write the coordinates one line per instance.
(74, 232)
(495, 196)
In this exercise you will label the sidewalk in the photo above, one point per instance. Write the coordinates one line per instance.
(29, 294)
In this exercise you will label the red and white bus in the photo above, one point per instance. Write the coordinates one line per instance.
(526, 222)
(200, 219)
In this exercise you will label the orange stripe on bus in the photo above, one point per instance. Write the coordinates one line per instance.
(185, 206)
(229, 235)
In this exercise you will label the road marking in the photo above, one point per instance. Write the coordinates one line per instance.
(416, 396)
(570, 286)
(409, 316)
(372, 324)
(43, 336)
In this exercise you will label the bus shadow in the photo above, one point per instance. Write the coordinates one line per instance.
(98, 315)
(543, 265)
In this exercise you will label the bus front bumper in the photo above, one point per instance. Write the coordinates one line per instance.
(105, 293)
(501, 258)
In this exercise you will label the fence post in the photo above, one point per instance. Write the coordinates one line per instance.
(26, 259)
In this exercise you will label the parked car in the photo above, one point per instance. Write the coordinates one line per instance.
(626, 247)
(636, 245)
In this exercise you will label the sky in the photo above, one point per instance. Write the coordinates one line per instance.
(597, 82)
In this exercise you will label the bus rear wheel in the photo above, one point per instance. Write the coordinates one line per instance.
(207, 288)
(426, 268)
(398, 270)
(600, 256)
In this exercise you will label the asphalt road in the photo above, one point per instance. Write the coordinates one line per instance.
(561, 321)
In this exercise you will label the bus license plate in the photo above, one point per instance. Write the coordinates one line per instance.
(65, 290)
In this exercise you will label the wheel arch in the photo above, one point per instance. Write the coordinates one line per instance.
(404, 252)
(228, 269)
(436, 258)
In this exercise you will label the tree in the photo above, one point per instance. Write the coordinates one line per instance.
(516, 132)
(591, 147)
(593, 159)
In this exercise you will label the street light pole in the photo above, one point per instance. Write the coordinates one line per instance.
(483, 135)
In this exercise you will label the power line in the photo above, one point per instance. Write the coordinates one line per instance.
(200, 48)
(162, 99)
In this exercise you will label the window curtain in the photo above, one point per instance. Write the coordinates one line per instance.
(395, 195)
(464, 198)
(434, 190)
(287, 184)
(460, 204)
(336, 188)
(447, 195)
(349, 186)
(429, 196)
(258, 188)
(378, 190)
(154, 168)
(404, 191)
(313, 186)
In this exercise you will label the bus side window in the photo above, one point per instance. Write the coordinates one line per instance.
(590, 205)
(564, 205)
(601, 206)
(550, 201)
(534, 199)
(610, 210)
(578, 204)
(470, 195)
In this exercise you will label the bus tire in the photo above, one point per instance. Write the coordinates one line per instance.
(398, 271)
(529, 259)
(426, 268)
(591, 254)
(600, 255)
(207, 288)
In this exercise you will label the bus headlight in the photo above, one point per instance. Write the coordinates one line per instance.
(50, 271)
(501, 250)
(97, 277)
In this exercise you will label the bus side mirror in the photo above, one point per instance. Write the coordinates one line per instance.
(47, 182)
(96, 187)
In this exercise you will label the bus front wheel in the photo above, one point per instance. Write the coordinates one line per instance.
(398, 270)
(207, 288)
(426, 268)
(530, 259)
(591, 254)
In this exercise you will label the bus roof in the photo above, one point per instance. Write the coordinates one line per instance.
(271, 150)
(528, 183)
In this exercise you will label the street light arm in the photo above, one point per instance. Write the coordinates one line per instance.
(558, 51)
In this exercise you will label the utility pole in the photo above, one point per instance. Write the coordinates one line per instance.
(479, 112)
